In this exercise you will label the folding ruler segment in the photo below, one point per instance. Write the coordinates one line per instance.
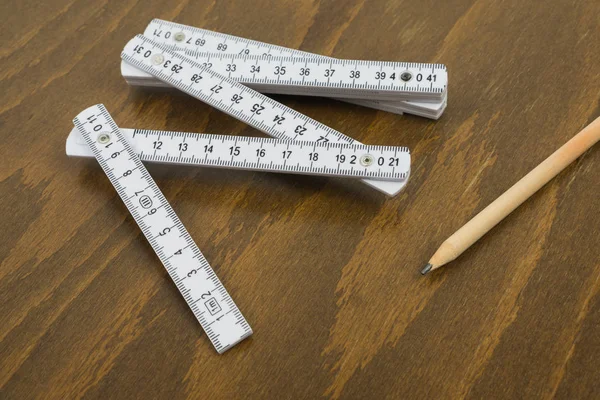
(211, 304)
(260, 154)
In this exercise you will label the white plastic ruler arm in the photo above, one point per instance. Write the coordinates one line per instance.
(260, 154)
(211, 304)
(425, 79)
(353, 79)
(432, 110)
(233, 98)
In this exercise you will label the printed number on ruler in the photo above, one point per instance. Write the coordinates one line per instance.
(263, 154)
(234, 98)
(195, 279)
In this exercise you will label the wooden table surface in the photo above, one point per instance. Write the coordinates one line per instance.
(324, 270)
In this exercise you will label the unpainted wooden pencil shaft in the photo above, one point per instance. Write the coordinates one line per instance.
(460, 241)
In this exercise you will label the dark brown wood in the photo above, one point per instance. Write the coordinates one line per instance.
(325, 270)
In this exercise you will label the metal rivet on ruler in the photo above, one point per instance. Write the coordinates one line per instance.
(157, 59)
(366, 160)
(406, 76)
(179, 37)
(103, 138)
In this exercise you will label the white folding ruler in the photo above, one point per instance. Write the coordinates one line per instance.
(414, 88)
(211, 304)
(235, 99)
(260, 154)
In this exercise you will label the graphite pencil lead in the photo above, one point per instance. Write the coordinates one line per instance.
(426, 270)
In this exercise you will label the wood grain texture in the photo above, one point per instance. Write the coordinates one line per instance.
(325, 270)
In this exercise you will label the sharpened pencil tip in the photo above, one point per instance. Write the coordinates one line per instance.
(426, 270)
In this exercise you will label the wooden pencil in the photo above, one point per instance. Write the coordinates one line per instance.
(460, 241)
